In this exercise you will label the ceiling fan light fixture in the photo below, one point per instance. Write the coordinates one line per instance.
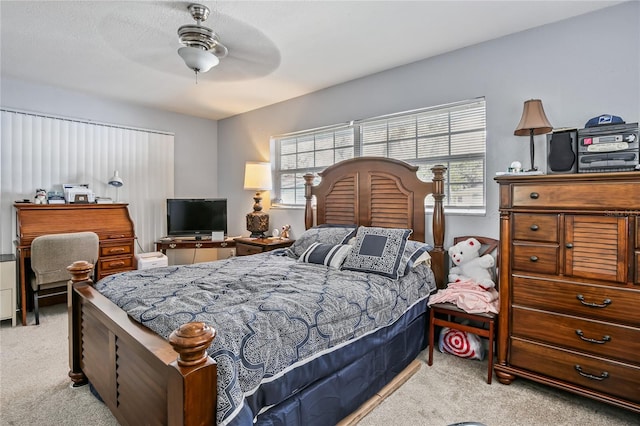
(202, 48)
(197, 59)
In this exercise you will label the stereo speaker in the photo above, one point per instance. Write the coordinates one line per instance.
(562, 151)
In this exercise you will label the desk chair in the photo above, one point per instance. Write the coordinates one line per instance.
(50, 256)
(446, 314)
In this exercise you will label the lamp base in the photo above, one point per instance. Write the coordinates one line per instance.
(257, 224)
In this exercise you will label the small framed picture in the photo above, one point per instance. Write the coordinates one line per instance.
(81, 199)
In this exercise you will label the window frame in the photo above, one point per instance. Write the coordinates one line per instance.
(356, 128)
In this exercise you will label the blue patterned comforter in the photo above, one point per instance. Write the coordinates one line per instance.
(272, 315)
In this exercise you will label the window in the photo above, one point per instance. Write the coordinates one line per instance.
(453, 135)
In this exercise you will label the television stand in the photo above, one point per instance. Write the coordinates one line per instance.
(164, 244)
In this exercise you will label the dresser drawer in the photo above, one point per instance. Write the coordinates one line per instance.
(606, 303)
(535, 227)
(637, 278)
(602, 195)
(116, 249)
(535, 258)
(614, 378)
(590, 336)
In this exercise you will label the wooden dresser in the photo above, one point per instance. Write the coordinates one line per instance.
(111, 222)
(570, 283)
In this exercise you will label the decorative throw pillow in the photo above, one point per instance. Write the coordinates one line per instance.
(378, 251)
(460, 343)
(326, 254)
(414, 254)
(325, 234)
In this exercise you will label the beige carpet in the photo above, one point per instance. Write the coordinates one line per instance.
(34, 390)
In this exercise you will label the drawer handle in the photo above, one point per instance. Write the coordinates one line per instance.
(116, 250)
(605, 338)
(198, 245)
(602, 375)
(534, 227)
(172, 245)
(533, 258)
(604, 304)
(569, 245)
(534, 195)
(116, 263)
(223, 244)
(113, 237)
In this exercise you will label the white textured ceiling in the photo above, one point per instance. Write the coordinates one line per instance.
(127, 50)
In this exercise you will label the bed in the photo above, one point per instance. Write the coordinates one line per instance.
(150, 357)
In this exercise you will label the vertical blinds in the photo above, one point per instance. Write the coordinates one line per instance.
(45, 152)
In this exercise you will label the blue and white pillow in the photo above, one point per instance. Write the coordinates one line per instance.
(326, 254)
(378, 251)
(324, 234)
(415, 253)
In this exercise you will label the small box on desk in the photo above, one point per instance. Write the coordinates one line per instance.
(151, 260)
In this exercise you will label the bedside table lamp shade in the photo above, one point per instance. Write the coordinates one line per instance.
(257, 177)
(533, 122)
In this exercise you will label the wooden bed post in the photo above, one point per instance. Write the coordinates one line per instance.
(80, 273)
(438, 254)
(192, 384)
(308, 210)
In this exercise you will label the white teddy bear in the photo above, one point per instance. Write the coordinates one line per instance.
(469, 265)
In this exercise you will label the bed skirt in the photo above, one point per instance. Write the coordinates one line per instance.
(366, 368)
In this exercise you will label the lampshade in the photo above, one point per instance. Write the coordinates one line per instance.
(533, 118)
(257, 176)
(116, 180)
(197, 59)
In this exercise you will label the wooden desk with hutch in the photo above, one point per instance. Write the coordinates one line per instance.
(111, 222)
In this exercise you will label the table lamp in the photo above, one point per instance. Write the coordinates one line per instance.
(533, 122)
(116, 181)
(257, 177)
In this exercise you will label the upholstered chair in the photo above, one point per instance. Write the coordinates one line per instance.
(50, 256)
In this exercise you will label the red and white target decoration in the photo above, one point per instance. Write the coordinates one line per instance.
(461, 343)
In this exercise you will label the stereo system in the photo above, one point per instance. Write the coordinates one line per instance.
(612, 148)
(608, 148)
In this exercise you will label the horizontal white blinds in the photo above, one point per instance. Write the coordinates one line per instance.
(451, 135)
(306, 152)
(45, 152)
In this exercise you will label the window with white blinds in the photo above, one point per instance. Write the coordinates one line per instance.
(453, 135)
(305, 152)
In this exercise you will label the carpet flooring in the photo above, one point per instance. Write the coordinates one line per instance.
(35, 390)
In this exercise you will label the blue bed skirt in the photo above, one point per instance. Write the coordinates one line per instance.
(351, 376)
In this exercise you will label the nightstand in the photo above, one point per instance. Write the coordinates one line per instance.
(247, 246)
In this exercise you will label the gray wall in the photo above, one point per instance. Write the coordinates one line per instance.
(195, 143)
(580, 68)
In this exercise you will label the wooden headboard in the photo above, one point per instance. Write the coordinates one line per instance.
(383, 192)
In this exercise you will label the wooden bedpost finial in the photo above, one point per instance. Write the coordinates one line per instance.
(191, 341)
(80, 271)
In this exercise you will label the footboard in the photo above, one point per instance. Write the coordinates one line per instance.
(140, 376)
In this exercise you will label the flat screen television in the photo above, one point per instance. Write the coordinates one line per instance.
(196, 216)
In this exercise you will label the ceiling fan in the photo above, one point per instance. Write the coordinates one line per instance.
(202, 49)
